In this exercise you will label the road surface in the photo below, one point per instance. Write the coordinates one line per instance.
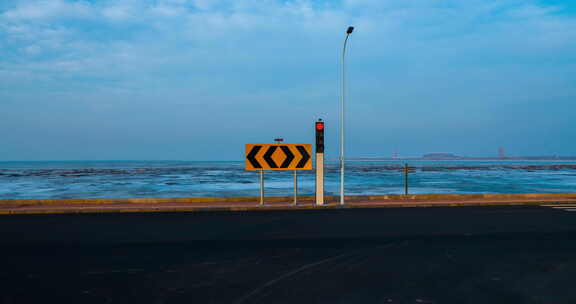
(493, 254)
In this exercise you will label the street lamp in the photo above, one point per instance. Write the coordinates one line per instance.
(342, 98)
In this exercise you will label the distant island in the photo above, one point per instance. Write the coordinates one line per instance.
(452, 156)
(440, 155)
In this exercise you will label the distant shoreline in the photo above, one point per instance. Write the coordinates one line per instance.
(462, 159)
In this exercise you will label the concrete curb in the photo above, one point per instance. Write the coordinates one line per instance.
(75, 209)
(412, 197)
(104, 201)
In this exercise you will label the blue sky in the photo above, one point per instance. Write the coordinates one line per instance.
(198, 79)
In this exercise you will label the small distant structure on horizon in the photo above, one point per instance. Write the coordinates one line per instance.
(440, 155)
(501, 153)
(395, 154)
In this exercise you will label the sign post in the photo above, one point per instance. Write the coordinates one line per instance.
(295, 188)
(319, 126)
(261, 188)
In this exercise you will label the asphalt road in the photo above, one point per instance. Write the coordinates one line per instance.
(392, 255)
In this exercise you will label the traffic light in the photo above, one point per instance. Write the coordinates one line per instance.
(319, 136)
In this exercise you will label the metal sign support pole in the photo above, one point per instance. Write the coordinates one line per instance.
(261, 187)
(295, 188)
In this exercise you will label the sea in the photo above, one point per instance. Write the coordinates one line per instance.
(148, 179)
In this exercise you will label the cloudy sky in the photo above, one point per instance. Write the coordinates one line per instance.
(198, 79)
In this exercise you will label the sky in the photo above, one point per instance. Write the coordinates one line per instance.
(199, 79)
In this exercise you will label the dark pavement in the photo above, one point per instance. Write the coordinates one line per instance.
(510, 254)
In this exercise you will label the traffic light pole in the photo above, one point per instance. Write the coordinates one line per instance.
(319, 179)
(319, 162)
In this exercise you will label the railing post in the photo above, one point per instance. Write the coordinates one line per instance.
(405, 179)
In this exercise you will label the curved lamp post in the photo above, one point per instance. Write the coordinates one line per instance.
(342, 99)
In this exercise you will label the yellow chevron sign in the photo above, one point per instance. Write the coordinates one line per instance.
(278, 157)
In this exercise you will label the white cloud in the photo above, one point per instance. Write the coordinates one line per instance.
(206, 4)
(126, 42)
(46, 9)
(532, 11)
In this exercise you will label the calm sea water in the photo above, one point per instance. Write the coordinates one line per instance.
(121, 179)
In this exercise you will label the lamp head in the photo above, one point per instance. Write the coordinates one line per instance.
(350, 30)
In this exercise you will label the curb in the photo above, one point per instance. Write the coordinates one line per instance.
(64, 209)
(395, 197)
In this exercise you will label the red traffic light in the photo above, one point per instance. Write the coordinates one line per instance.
(319, 126)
